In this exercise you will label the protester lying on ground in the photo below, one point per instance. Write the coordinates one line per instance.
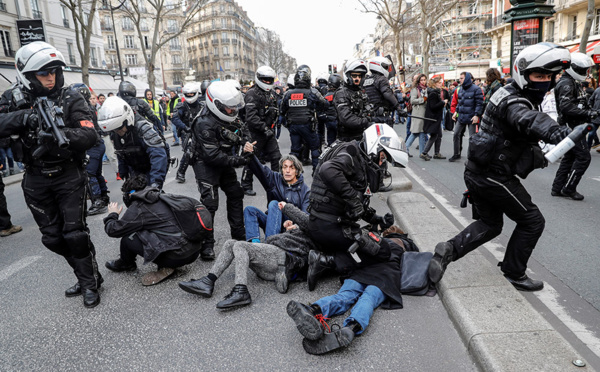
(148, 229)
(286, 185)
(282, 258)
(366, 288)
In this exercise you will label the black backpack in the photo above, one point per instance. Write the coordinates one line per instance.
(191, 215)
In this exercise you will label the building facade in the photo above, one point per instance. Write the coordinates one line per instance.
(222, 43)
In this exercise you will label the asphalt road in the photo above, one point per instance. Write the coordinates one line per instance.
(163, 328)
(566, 256)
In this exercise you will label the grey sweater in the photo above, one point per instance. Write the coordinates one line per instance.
(296, 240)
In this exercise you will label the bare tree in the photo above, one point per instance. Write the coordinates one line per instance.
(397, 18)
(588, 26)
(158, 15)
(270, 52)
(429, 11)
(83, 13)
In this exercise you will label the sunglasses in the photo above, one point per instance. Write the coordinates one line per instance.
(355, 76)
(47, 72)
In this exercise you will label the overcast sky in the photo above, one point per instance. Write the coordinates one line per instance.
(315, 32)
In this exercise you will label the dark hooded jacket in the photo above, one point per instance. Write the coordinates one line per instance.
(154, 223)
(470, 101)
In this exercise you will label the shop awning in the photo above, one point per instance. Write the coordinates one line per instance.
(100, 83)
(590, 47)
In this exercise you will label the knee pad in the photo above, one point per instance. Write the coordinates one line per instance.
(78, 243)
(56, 244)
(236, 193)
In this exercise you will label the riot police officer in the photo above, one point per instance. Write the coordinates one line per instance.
(322, 79)
(507, 145)
(185, 112)
(139, 148)
(378, 90)
(299, 106)
(573, 109)
(127, 91)
(347, 176)
(333, 84)
(261, 118)
(96, 181)
(54, 184)
(350, 102)
(217, 131)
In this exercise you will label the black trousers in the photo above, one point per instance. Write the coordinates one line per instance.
(492, 199)
(209, 180)
(4, 215)
(572, 167)
(266, 149)
(132, 246)
(58, 207)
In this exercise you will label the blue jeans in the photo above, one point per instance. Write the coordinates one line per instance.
(422, 140)
(367, 299)
(174, 130)
(6, 154)
(254, 219)
(94, 170)
(408, 122)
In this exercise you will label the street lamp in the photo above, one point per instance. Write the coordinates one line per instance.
(112, 17)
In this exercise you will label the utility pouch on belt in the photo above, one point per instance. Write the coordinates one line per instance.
(52, 172)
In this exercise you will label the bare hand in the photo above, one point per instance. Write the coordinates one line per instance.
(455, 116)
(475, 120)
(114, 207)
(281, 205)
(289, 225)
(249, 147)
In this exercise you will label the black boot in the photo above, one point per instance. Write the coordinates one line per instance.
(104, 197)
(526, 284)
(119, 265)
(203, 286)
(98, 207)
(439, 261)
(87, 273)
(317, 264)
(308, 319)
(293, 265)
(239, 296)
(180, 178)
(329, 342)
(208, 252)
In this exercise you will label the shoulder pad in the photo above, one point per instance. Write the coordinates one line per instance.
(369, 81)
(500, 94)
(148, 134)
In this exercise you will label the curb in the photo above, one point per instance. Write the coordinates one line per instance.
(11, 180)
(501, 330)
(399, 180)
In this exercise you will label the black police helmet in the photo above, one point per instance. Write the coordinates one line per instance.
(82, 89)
(127, 89)
(204, 86)
(302, 75)
(335, 81)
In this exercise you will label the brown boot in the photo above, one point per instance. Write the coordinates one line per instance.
(11, 230)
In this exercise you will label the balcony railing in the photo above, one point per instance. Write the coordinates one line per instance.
(36, 14)
(175, 47)
(127, 27)
(494, 22)
(106, 27)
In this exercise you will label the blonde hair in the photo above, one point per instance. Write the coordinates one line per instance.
(433, 81)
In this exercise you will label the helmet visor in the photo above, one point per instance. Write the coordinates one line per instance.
(189, 95)
(395, 150)
(267, 80)
(584, 71)
(229, 110)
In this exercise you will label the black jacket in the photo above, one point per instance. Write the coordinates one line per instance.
(259, 103)
(79, 128)
(154, 223)
(379, 91)
(470, 101)
(215, 139)
(434, 109)
(571, 102)
(350, 102)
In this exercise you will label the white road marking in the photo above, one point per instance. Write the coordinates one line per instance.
(19, 265)
(549, 296)
(596, 179)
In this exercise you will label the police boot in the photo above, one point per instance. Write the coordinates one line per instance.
(180, 178)
(286, 272)
(440, 260)
(330, 341)
(98, 207)
(104, 197)
(318, 263)
(208, 251)
(525, 283)
(75, 289)
(87, 273)
(239, 296)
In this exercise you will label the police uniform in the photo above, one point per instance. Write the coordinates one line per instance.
(96, 180)
(506, 145)
(381, 96)
(330, 118)
(573, 109)
(299, 106)
(260, 116)
(215, 168)
(182, 119)
(350, 103)
(141, 151)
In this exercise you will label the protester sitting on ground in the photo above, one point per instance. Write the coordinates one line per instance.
(282, 258)
(286, 185)
(149, 229)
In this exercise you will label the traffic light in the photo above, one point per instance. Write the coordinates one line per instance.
(335, 69)
(330, 70)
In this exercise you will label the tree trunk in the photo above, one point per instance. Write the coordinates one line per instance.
(151, 77)
(425, 53)
(399, 54)
(588, 26)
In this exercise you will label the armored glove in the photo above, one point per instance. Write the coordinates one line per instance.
(559, 134)
(237, 161)
(30, 119)
(355, 209)
(384, 222)
(268, 132)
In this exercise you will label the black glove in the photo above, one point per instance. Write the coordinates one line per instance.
(237, 161)
(593, 114)
(268, 132)
(402, 113)
(355, 209)
(30, 119)
(559, 134)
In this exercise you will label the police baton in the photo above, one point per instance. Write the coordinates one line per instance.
(419, 117)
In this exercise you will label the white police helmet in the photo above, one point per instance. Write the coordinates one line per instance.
(37, 56)
(542, 57)
(381, 65)
(115, 113)
(265, 78)
(381, 137)
(355, 66)
(580, 66)
(191, 91)
(224, 100)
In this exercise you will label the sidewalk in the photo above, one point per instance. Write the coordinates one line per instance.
(501, 329)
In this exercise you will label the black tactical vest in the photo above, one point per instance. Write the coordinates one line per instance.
(299, 107)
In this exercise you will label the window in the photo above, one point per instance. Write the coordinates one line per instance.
(146, 44)
(6, 45)
(113, 60)
(550, 26)
(473, 8)
(65, 15)
(35, 10)
(172, 25)
(215, 51)
(573, 28)
(110, 39)
(131, 59)
(223, 23)
(72, 59)
(93, 58)
(127, 24)
(142, 6)
(596, 26)
(176, 59)
(144, 24)
(226, 51)
(227, 66)
(174, 44)
(106, 24)
(129, 44)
